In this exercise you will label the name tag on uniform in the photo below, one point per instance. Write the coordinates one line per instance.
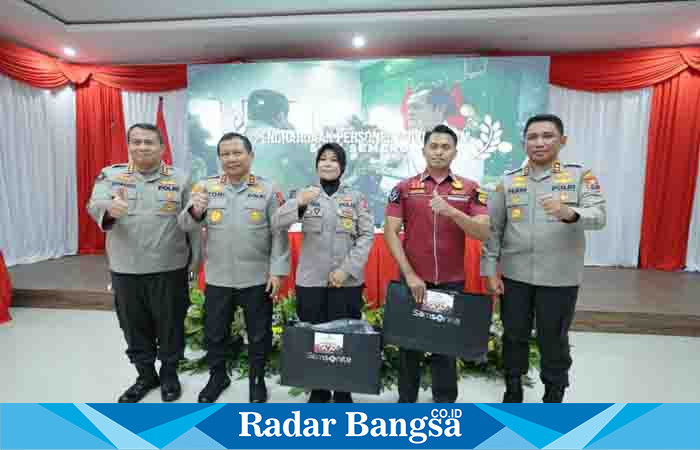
(313, 210)
(563, 187)
(456, 198)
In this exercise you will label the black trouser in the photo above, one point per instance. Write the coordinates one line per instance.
(323, 304)
(219, 307)
(443, 367)
(552, 308)
(151, 310)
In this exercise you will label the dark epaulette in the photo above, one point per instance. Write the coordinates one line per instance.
(580, 166)
(482, 197)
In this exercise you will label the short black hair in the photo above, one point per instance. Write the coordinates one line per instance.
(231, 136)
(145, 126)
(440, 129)
(339, 153)
(551, 118)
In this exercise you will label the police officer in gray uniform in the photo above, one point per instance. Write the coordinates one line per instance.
(338, 232)
(245, 260)
(137, 205)
(538, 216)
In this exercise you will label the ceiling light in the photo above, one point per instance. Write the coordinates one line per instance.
(358, 41)
(68, 51)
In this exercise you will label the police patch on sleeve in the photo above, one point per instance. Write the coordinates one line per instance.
(591, 181)
(280, 198)
(395, 196)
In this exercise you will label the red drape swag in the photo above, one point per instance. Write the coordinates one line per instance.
(5, 292)
(380, 269)
(46, 72)
(674, 135)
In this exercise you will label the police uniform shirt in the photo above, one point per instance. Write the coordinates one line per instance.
(242, 250)
(531, 245)
(147, 239)
(338, 234)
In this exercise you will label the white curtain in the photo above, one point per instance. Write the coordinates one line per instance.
(693, 257)
(608, 133)
(141, 107)
(38, 196)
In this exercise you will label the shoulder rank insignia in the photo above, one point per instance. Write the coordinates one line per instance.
(482, 197)
(199, 187)
(457, 184)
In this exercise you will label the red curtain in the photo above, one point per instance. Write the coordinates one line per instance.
(671, 172)
(5, 292)
(100, 142)
(674, 135)
(99, 116)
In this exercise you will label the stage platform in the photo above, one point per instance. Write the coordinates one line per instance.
(611, 299)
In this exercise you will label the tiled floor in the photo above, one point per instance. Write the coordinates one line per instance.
(50, 355)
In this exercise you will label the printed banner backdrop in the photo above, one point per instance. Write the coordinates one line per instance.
(466, 426)
(377, 109)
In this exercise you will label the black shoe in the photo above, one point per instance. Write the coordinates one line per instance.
(406, 400)
(514, 390)
(145, 383)
(319, 396)
(342, 397)
(218, 381)
(170, 388)
(553, 393)
(257, 391)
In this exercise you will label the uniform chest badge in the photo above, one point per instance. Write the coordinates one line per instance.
(169, 207)
(216, 216)
(255, 216)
